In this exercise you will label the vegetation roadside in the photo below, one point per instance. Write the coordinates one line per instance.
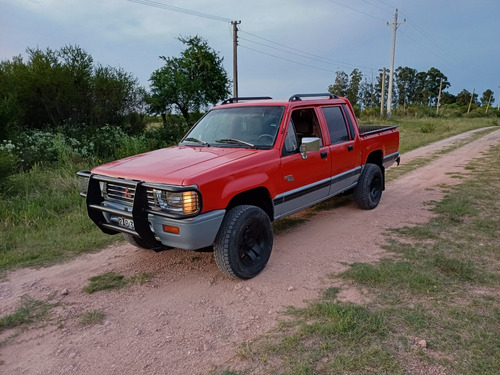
(43, 219)
(433, 306)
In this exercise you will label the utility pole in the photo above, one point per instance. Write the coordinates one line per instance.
(235, 57)
(498, 105)
(383, 95)
(439, 96)
(471, 98)
(395, 26)
(488, 106)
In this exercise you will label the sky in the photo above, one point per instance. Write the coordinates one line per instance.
(285, 47)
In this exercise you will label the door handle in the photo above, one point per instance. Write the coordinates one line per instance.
(350, 148)
(323, 154)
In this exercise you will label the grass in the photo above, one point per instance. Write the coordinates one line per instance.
(91, 317)
(419, 132)
(113, 280)
(30, 311)
(406, 167)
(441, 285)
(43, 219)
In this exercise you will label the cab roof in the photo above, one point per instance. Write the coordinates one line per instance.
(319, 98)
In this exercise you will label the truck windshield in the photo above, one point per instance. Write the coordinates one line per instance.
(248, 127)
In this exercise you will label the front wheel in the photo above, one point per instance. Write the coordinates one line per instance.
(140, 243)
(136, 241)
(368, 191)
(244, 242)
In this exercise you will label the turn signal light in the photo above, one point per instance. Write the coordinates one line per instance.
(171, 229)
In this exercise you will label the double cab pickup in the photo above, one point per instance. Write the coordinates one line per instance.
(246, 163)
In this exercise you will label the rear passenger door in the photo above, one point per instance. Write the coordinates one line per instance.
(303, 181)
(345, 148)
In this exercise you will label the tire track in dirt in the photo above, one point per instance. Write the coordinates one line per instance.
(190, 317)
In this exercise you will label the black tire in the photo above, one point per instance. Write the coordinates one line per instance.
(136, 241)
(140, 243)
(208, 249)
(244, 242)
(368, 191)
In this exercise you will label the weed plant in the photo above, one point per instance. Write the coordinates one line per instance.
(91, 317)
(113, 280)
(31, 310)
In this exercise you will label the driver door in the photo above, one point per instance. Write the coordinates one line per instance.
(305, 181)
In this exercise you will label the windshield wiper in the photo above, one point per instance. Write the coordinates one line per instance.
(235, 142)
(196, 140)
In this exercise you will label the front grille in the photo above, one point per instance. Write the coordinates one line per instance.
(151, 198)
(120, 193)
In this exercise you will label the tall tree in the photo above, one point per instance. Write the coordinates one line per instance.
(190, 82)
(58, 87)
(353, 89)
(115, 94)
(431, 82)
(341, 84)
(406, 84)
(487, 95)
(447, 98)
(464, 96)
(367, 94)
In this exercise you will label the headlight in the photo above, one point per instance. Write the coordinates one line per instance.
(83, 182)
(104, 189)
(184, 202)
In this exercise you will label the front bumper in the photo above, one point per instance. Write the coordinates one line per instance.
(133, 215)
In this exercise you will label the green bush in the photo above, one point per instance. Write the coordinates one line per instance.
(39, 146)
(428, 127)
(8, 161)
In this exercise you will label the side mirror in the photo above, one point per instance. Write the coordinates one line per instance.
(309, 144)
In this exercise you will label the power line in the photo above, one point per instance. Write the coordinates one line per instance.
(300, 53)
(172, 8)
(378, 7)
(435, 42)
(285, 59)
(356, 10)
(389, 7)
(416, 41)
(410, 22)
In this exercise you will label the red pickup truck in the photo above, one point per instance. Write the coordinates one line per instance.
(247, 162)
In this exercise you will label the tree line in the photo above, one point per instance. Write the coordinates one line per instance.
(63, 88)
(410, 87)
(54, 89)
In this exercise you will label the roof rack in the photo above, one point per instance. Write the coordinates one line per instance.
(239, 99)
(298, 97)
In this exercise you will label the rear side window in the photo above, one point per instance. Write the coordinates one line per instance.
(336, 124)
(351, 127)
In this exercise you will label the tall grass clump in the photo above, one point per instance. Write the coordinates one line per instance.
(43, 218)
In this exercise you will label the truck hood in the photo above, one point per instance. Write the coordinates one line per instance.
(172, 165)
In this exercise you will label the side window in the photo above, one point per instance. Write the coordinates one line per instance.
(336, 124)
(291, 144)
(349, 122)
(306, 123)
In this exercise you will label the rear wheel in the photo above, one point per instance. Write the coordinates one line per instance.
(368, 191)
(244, 242)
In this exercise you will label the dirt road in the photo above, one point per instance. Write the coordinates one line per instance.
(189, 317)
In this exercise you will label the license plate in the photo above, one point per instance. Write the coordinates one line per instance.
(126, 223)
